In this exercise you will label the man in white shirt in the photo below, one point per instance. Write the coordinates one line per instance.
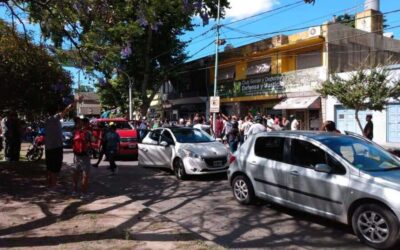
(198, 124)
(256, 127)
(270, 123)
(294, 125)
(246, 127)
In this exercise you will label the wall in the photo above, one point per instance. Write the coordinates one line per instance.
(350, 48)
(379, 118)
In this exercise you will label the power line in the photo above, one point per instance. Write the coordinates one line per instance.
(264, 12)
(307, 46)
(308, 21)
(302, 28)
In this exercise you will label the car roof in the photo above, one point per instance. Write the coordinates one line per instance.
(316, 135)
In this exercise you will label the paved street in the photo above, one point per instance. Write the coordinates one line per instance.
(206, 207)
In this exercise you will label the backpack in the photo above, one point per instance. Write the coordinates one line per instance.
(80, 144)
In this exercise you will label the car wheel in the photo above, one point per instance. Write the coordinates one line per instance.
(179, 170)
(375, 225)
(243, 190)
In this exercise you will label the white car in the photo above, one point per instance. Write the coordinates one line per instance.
(186, 151)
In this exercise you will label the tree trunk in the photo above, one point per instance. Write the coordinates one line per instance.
(358, 122)
(146, 103)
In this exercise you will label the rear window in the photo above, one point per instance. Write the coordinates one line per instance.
(270, 148)
(119, 125)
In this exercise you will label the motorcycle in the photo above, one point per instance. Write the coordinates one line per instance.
(35, 150)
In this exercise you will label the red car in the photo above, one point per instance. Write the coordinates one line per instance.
(126, 131)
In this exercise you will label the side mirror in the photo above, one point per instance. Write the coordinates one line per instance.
(323, 168)
(164, 144)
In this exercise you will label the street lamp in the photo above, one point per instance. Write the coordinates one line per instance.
(130, 90)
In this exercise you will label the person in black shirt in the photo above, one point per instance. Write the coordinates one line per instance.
(369, 128)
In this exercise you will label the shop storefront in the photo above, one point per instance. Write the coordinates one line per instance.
(306, 109)
(280, 94)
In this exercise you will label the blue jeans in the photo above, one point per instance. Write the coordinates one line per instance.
(233, 146)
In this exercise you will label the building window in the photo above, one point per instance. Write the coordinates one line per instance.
(259, 67)
(309, 60)
(226, 73)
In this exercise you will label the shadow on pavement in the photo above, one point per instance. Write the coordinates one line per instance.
(204, 206)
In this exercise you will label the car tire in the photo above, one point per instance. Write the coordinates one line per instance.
(179, 169)
(376, 226)
(243, 190)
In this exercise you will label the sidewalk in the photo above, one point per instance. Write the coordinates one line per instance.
(31, 217)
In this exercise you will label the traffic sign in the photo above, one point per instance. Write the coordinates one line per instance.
(214, 104)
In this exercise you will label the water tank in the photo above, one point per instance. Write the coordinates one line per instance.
(371, 4)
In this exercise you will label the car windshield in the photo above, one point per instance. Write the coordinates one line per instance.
(191, 135)
(362, 154)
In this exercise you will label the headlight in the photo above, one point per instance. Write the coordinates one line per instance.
(67, 137)
(190, 154)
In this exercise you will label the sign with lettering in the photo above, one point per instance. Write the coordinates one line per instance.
(214, 104)
(295, 81)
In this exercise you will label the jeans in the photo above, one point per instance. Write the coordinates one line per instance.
(233, 146)
(111, 159)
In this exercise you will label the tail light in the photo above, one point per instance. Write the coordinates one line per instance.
(232, 158)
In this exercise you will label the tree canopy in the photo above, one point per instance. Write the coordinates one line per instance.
(138, 37)
(362, 90)
(30, 79)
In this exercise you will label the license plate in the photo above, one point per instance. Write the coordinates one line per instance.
(131, 146)
(217, 164)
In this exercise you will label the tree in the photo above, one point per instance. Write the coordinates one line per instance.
(350, 20)
(362, 90)
(136, 36)
(140, 37)
(31, 79)
(347, 19)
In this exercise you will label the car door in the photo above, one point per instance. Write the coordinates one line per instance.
(312, 190)
(165, 152)
(268, 168)
(148, 150)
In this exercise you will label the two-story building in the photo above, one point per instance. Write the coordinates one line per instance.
(280, 75)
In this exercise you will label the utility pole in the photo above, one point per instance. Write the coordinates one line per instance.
(216, 63)
(130, 89)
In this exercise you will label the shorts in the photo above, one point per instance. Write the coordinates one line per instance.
(54, 158)
(82, 163)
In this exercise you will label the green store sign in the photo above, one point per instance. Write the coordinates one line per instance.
(251, 87)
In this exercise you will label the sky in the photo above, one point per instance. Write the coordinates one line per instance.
(294, 16)
(279, 18)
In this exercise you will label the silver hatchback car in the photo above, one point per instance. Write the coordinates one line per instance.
(345, 178)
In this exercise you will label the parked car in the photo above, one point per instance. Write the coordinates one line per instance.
(340, 177)
(67, 131)
(128, 134)
(186, 151)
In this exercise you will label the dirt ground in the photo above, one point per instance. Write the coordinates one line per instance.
(32, 217)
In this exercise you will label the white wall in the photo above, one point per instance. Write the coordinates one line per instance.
(379, 118)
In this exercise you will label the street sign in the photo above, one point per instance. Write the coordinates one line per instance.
(214, 104)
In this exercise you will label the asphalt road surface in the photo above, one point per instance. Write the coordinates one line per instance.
(205, 206)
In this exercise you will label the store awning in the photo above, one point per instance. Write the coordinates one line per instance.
(310, 102)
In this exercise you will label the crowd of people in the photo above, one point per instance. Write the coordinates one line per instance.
(234, 130)
(231, 130)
